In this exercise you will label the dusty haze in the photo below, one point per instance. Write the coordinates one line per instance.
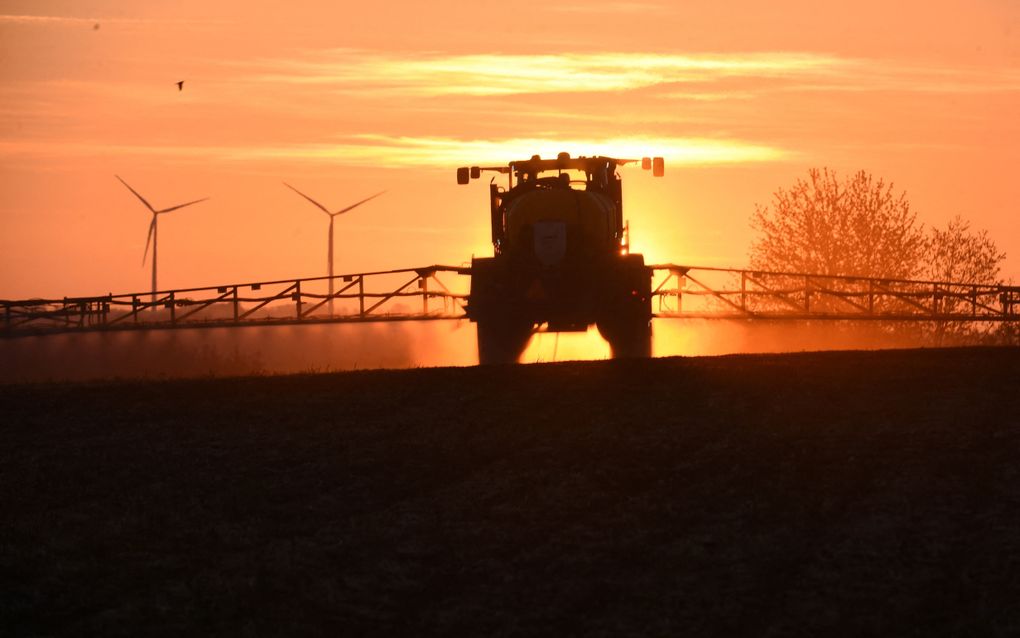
(297, 349)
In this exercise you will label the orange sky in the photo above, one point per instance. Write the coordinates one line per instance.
(345, 100)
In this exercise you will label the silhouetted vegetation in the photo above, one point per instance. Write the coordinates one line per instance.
(957, 253)
(852, 227)
(859, 226)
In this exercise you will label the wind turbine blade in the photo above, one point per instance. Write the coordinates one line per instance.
(167, 210)
(323, 208)
(352, 206)
(147, 204)
(148, 238)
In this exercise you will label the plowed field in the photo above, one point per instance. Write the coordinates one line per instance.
(843, 493)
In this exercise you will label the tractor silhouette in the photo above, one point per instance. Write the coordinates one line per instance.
(561, 258)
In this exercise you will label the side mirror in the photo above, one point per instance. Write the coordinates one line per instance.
(463, 176)
(658, 167)
(475, 172)
(646, 163)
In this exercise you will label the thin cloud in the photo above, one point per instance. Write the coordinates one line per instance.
(712, 96)
(382, 150)
(434, 152)
(493, 75)
(44, 20)
(718, 76)
(64, 20)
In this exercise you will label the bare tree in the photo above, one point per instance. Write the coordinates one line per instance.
(857, 227)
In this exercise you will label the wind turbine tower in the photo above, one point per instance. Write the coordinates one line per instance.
(332, 217)
(153, 230)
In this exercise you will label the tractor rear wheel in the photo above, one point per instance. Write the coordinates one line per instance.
(628, 339)
(626, 317)
(501, 340)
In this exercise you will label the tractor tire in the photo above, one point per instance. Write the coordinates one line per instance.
(626, 317)
(627, 339)
(493, 305)
(501, 340)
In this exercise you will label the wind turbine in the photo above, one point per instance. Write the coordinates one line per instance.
(332, 217)
(153, 229)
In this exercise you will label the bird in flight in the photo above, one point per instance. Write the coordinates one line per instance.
(180, 85)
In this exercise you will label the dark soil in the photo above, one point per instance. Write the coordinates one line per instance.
(848, 493)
